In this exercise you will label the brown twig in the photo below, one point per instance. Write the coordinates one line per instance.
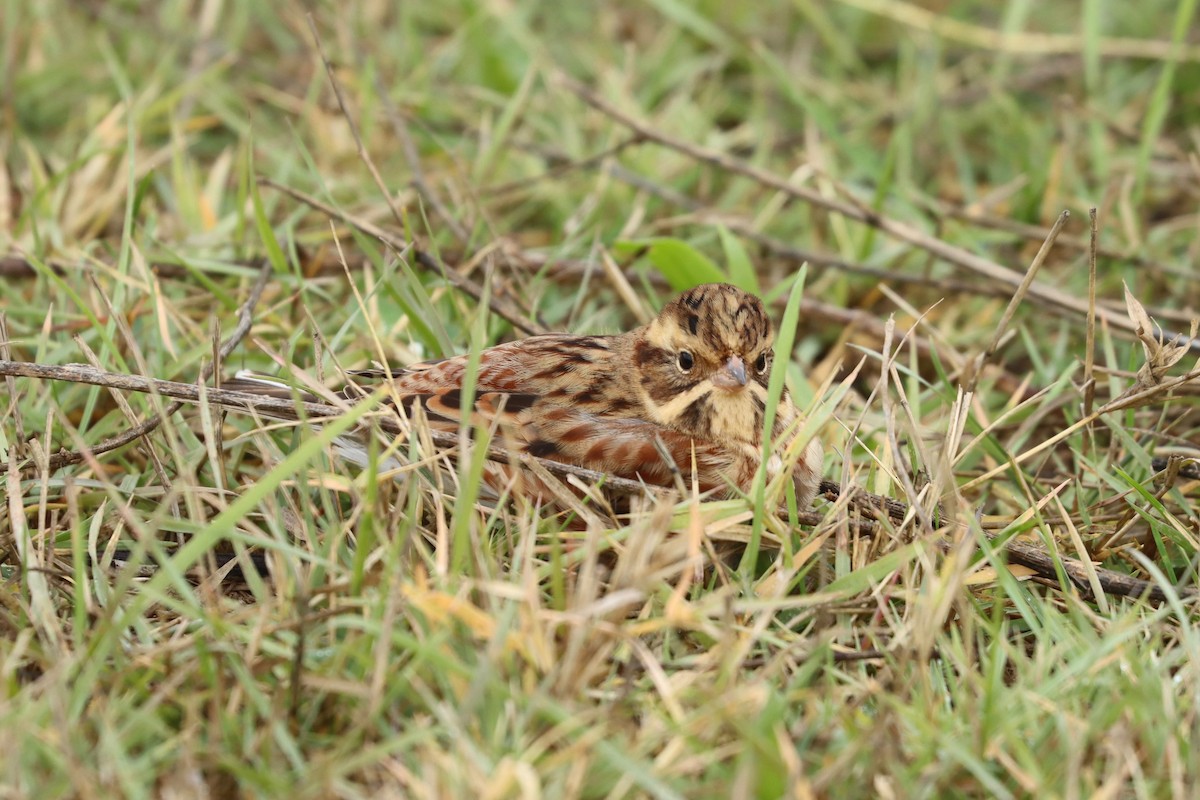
(702, 214)
(363, 154)
(268, 406)
(901, 231)
(423, 257)
(793, 254)
(417, 180)
(245, 320)
(1045, 566)
(1038, 233)
(1137, 397)
(798, 255)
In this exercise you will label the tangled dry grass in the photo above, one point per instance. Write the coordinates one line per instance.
(995, 596)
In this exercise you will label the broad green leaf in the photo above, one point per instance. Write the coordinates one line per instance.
(681, 264)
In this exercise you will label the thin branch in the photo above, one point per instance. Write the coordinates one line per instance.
(1038, 233)
(904, 232)
(245, 320)
(1045, 566)
(1042, 563)
(1134, 399)
(500, 307)
(267, 406)
(363, 153)
(422, 255)
(413, 157)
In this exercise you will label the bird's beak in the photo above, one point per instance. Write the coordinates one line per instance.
(732, 376)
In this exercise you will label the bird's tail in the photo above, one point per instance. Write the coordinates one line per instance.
(267, 386)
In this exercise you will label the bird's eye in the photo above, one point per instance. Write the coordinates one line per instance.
(685, 360)
(761, 363)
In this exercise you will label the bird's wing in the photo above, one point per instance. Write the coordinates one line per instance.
(537, 365)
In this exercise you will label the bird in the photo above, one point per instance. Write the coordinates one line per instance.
(684, 395)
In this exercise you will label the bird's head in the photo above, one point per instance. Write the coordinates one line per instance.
(704, 363)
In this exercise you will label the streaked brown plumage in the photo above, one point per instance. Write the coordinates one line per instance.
(695, 379)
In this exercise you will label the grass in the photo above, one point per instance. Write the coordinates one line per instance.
(409, 642)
